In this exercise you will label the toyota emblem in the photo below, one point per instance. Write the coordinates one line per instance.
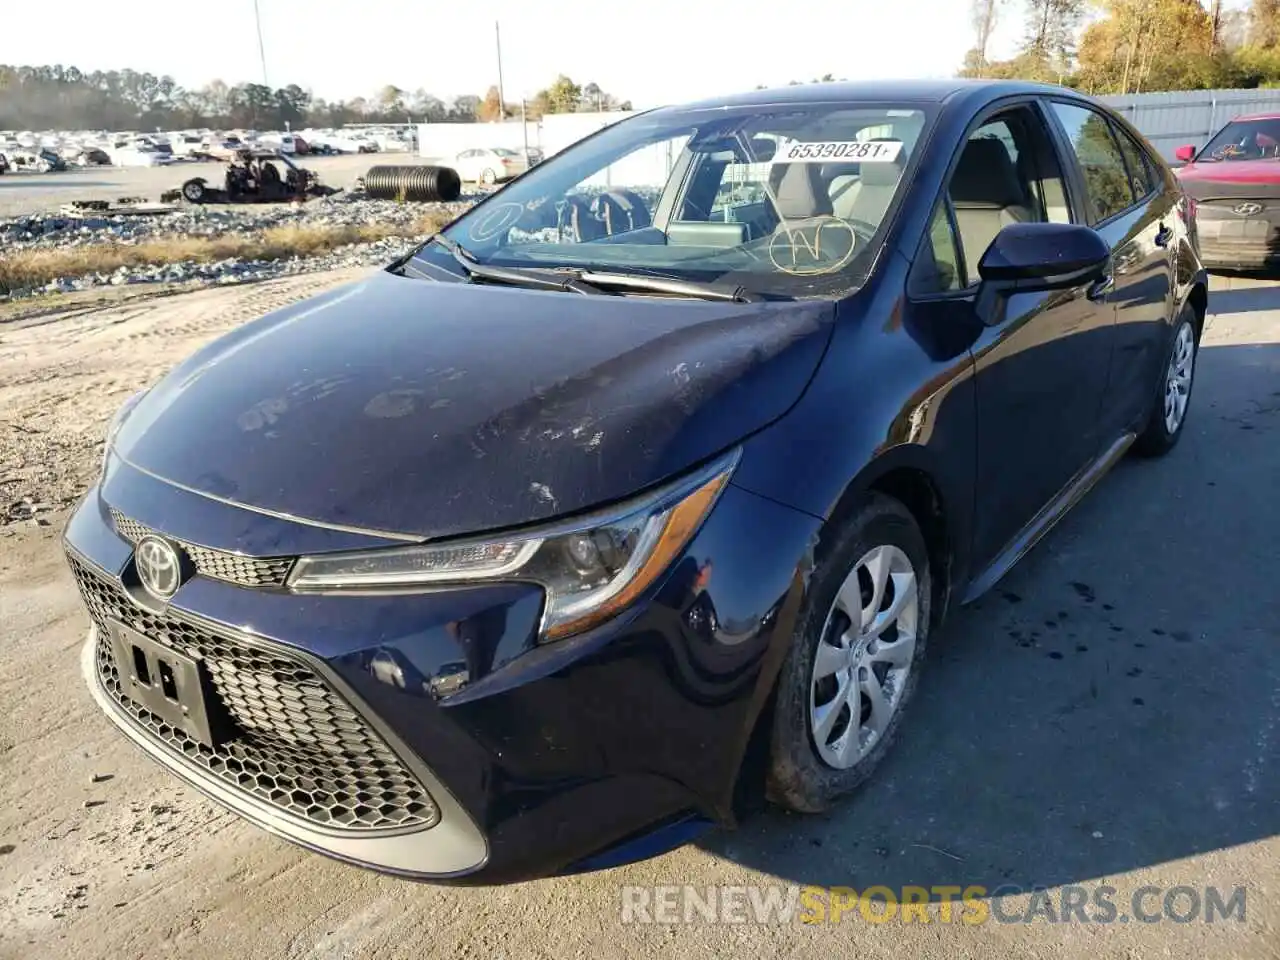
(1247, 209)
(159, 567)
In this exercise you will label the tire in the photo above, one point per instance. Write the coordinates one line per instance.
(803, 775)
(1164, 427)
(488, 177)
(193, 191)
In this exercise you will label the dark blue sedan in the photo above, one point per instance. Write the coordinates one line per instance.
(638, 493)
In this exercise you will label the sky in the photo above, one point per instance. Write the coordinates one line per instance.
(657, 51)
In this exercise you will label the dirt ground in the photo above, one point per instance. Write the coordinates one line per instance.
(1111, 714)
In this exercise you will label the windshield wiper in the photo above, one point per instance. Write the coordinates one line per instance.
(538, 279)
(574, 280)
(672, 285)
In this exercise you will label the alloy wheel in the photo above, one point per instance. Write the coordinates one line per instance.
(1177, 387)
(864, 656)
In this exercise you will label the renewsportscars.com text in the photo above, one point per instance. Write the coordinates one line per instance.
(971, 905)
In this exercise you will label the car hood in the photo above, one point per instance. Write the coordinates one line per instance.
(437, 408)
(1230, 179)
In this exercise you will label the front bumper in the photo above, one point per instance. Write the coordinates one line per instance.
(533, 759)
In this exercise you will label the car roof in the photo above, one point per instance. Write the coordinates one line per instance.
(1256, 116)
(919, 91)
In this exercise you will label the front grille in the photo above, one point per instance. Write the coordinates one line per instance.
(299, 746)
(219, 564)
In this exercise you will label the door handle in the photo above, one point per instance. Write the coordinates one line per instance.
(1163, 236)
(1099, 289)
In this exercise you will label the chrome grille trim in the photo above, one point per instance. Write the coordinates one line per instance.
(218, 564)
(302, 750)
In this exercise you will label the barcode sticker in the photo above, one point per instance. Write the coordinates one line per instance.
(849, 151)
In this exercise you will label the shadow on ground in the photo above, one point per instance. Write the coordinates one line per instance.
(1113, 704)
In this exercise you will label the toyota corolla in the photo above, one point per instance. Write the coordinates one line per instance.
(641, 490)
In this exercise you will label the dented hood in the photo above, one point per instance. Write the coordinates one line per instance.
(434, 409)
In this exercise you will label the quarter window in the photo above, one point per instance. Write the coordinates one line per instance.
(937, 268)
(1139, 166)
(1106, 179)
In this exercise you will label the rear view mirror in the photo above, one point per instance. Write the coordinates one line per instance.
(1041, 256)
(1185, 153)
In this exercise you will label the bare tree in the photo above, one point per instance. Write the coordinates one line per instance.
(985, 14)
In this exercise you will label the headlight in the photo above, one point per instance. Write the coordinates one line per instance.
(114, 426)
(591, 568)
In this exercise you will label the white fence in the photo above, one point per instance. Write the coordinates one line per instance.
(1169, 120)
(551, 134)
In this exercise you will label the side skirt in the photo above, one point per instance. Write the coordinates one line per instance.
(1045, 520)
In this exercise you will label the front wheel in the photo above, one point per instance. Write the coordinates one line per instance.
(193, 191)
(1173, 392)
(488, 177)
(854, 662)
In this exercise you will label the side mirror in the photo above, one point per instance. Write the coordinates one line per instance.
(1027, 257)
(1185, 153)
(1044, 256)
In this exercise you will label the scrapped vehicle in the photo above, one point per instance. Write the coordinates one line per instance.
(489, 165)
(565, 536)
(253, 176)
(92, 157)
(36, 160)
(1235, 182)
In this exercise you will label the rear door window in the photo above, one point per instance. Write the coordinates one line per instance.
(1106, 177)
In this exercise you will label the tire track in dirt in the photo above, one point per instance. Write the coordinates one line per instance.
(61, 380)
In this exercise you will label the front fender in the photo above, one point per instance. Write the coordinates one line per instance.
(890, 400)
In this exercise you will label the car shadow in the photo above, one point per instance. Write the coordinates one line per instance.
(1114, 703)
(1259, 296)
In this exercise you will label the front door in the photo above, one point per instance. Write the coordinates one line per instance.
(1041, 370)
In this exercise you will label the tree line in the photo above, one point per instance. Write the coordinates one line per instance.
(66, 98)
(1134, 45)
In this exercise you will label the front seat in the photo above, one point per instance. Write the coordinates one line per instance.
(987, 196)
(875, 191)
(800, 191)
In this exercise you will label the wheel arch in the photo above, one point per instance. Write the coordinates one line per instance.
(1198, 300)
(908, 475)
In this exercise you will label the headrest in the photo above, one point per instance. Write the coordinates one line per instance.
(800, 190)
(986, 175)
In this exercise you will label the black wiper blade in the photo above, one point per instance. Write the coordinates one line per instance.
(538, 279)
(672, 285)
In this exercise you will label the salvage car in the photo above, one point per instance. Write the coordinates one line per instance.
(35, 159)
(1235, 181)
(560, 539)
(252, 176)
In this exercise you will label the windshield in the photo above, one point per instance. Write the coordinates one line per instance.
(503, 152)
(1245, 140)
(786, 200)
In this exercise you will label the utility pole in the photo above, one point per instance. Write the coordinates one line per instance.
(524, 129)
(262, 50)
(502, 99)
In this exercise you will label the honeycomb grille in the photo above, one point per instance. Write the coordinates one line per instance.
(298, 746)
(219, 564)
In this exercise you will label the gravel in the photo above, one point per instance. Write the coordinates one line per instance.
(64, 231)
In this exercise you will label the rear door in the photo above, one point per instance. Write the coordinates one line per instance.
(1131, 207)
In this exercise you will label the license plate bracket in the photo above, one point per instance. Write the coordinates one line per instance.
(171, 685)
